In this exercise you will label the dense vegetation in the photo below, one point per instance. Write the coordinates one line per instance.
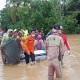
(41, 14)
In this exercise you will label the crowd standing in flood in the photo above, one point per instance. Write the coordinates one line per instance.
(16, 42)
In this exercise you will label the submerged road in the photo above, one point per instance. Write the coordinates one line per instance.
(71, 67)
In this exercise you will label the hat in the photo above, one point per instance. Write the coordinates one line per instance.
(56, 26)
(20, 32)
(10, 30)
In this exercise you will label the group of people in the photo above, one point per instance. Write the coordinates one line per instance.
(13, 44)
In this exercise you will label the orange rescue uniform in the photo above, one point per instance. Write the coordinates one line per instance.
(30, 43)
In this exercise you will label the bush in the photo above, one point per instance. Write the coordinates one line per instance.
(77, 30)
(69, 24)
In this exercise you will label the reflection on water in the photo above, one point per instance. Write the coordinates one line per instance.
(36, 72)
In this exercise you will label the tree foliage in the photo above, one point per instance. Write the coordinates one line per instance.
(40, 14)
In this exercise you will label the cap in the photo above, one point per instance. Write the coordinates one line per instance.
(57, 26)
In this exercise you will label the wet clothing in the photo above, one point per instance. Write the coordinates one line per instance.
(55, 47)
(32, 56)
(12, 49)
(53, 66)
(65, 41)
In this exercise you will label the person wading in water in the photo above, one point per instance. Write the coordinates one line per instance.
(55, 48)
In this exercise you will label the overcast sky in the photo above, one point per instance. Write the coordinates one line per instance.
(2, 4)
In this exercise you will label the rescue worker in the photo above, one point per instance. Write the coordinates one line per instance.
(29, 41)
(55, 48)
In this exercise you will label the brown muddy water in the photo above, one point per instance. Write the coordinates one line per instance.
(70, 71)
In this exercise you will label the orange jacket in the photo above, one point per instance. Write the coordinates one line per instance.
(30, 43)
(22, 41)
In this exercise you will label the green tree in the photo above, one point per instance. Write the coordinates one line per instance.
(40, 14)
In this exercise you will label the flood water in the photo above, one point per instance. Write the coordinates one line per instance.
(71, 69)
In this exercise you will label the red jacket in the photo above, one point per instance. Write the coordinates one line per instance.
(65, 41)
